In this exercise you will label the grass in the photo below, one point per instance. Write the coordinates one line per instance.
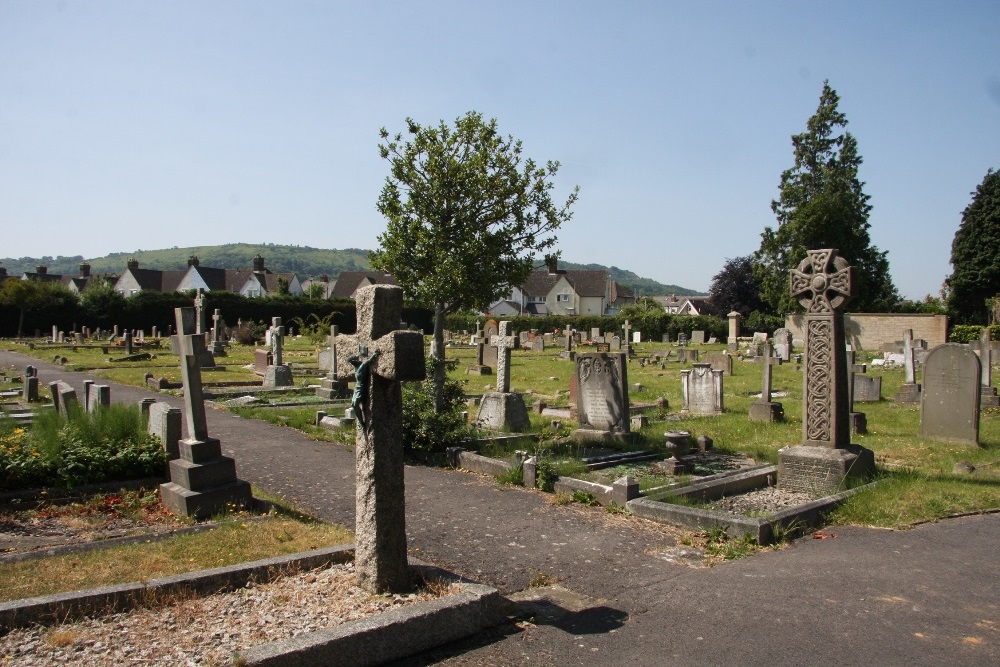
(236, 540)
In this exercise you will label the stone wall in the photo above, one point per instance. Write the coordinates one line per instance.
(870, 331)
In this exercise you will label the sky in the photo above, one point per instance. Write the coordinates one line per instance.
(136, 125)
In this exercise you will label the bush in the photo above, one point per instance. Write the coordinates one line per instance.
(86, 448)
(423, 429)
(249, 333)
(967, 333)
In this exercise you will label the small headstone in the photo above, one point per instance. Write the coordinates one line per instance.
(867, 388)
(949, 406)
(701, 390)
(697, 337)
(783, 344)
(720, 361)
(616, 344)
(165, 423)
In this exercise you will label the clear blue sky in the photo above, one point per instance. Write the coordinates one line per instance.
(129, 125)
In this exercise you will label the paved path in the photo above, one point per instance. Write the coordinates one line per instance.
(927, 596)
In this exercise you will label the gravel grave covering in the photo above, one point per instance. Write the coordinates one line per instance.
(761, 501)
(208, 630)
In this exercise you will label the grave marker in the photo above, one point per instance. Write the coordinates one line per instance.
(503, 409)
(602, 402)
(766, 410)
(950, 404)
(701, 390)
(988, 393)
(909, 391)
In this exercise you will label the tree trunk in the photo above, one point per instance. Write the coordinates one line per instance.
(437, 354)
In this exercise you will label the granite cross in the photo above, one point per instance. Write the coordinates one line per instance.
(380, 507)
(627, 328)
(767, 362)
(277, 334)
(823, 282)
(569, 338)
(199, 307)
(216, 325)
(192, 346)
(504, 343)
(909, 365)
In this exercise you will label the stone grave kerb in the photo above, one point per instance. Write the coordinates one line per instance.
(380, 356)
(504, 342)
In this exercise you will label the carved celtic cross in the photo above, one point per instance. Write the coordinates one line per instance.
(823, 282)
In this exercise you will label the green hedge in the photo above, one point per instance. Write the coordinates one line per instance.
(967, 333)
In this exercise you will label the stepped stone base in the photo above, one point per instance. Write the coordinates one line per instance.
(331, 389)
(203, 482)
(761, 411)
(822, 471)
(207, 503)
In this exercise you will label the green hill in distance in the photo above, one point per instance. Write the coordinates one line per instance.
(305, 261)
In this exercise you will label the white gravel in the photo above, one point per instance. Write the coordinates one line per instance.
(761, 501)
(203, 631)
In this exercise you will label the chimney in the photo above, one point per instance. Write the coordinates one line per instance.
(84, 270)
(258, 264)
(132, 263)
(41, 270)
(324, 278)
(552, 262)
(193, 260)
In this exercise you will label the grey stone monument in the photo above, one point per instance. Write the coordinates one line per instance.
(503, 409)
(734, 330)
(331, 386)
(988, 393)
(909, 391)
(165, 423)
(823, 283)
(766, 410)
(949, 405)
(29, 391)
(858, 420)
(277, 374)
(701, 390)
(783, 344)
(202, 482)
(602, 402)
(380, 357)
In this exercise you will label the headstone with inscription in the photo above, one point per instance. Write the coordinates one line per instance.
(701, 390)
(602, 403)
(949, 405)
(823, 283)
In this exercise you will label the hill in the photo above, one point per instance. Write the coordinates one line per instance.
(303, 260)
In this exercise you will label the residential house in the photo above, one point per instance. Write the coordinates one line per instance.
(565, 292)
(41, 274)
(324, 281)
(258, 281)
(135, 280)
(348, 282)
(685, 305)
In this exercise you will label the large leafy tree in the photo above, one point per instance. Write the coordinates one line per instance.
(975, 254)
(822, 204)
(30, 295)
(467, 214)
(735, 288)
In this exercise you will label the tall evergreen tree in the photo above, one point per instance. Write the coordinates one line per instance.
(975, 254)
(823, 205)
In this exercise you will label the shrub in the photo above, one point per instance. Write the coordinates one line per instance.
(427, 431)
(249, 333)
(968, 333)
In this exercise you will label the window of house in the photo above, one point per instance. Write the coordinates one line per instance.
(562, 297)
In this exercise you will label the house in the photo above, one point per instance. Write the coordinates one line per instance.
(348, 282)
(325, 284)
(688, 305)
(41, 274)
(3, 275)
(77, 284)
(258, 281)
(565, 292)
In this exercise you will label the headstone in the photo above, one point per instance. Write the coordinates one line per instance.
(602, 392)
(823, 283)
(490, 358)
(128, 343)
(504, 343)
(701, 390)
(380, 356)
(988, 394)
(261, 360)
(867, 388)
(64, 398)
(144, 404)
(616, 344)
(165, 423)
(682, 339)
(55, 334)
(697, 337)
(29, 391)
(199, 309)
(502, 409)
(858, 420)
(766, 410)
(687, 355)
(277, 374)
(734, 330)
(331, 386)
(88, 385)
(202, 482)
(783, 345)
(537, 344)
(720, 361)
(636, 336)
(595, 332)
(627, 328)
(909, 391)
(949, 406)
(100, 398)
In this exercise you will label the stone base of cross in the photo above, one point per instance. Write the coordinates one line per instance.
(379, 357)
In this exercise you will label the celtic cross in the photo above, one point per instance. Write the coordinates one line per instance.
(818, 288)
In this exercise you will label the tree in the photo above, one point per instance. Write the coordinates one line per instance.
(735, 288)
(975, 255)
(466, 216)
(316, 291)
(26, 295)
(823, 205)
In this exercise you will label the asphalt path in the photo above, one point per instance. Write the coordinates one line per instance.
(624, 592)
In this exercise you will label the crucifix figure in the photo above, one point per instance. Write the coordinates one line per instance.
(382, 358)
(504, 344)
(199, 308)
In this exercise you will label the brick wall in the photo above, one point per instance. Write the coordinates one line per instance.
(869, 331)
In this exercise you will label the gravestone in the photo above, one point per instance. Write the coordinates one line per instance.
(490, 329)
(29, 391)
(595, 332)
(909, 391)
(277, 374)
(537, 344)
(823, 283)
(99, 398)
(261, 360)
(701, 390)
(218, 346)
(720, 361)
(766, 410)
(687, 355)
(128, 343)
(199, 309)
(502, 409)
(697, 337)
(202, 482)
(616, 344)
(858, 420)
(867, 388)
(165, 423)
(988, 393)
(636, 337)
(602, 403)
(64, 398)
(331, 386)
(380, 356)
(949, 405)
(682, 339)
(783, 345)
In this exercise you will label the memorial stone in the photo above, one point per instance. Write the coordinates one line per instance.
(720, 361)
(783, 345)
(331, 386)
(909, 391)
(701, 390)
(949, 405)
(766, 410)
(602, 402)
(165, 423)
(697, 337)
(988, 393)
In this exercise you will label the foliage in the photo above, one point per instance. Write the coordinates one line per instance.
(735, 288)
(823, 205)
(426, 429)
(513, 476)
(85, 448)
(930, 305)
(282, 286)
(35, 295)
(248, 332)
(101, 299)
(314, 327)
(975, 254)
(968, 333)
(315, 291)
(545, 475)
(759, 321)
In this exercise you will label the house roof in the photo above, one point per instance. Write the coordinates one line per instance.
(586, 282)
(348, 281)
(620, 292)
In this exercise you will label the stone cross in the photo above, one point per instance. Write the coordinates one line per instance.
(768, 361)
(504, 343)
(192, 345)
(277, 334)
(627, 340)
(384, 358)
(823, 282)
(216, 325)
(986, 356)
(334, 332)
(909, 366)
(199, 307)
(849, 356)
(569, 338)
